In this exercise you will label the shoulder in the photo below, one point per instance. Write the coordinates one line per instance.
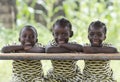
(110, 47)
(75, 43)
(51, 44)
(107, 45)
(39, 45)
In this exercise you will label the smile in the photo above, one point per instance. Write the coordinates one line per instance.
(61, 42)
(27, 43)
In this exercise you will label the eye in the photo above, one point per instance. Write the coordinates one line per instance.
(91, 34)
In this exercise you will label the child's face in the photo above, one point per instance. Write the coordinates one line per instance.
(61, 34)
(96, 36)
(28, 37)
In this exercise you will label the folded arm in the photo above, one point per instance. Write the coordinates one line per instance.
(88, 49)
(55, 49)
(11, 48)
(72, 47)
(36, 50)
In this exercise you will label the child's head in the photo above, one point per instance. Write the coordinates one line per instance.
(28, 36)
(97, 33)
(62, 31)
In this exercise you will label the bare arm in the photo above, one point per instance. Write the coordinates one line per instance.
(72, 47)
(36, 50)
(52, 49)
(88, 49)
(8, 49)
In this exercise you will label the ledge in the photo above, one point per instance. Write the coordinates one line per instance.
(59, 56)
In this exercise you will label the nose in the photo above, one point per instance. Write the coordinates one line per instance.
(60, 37)
(27, 38)
(95, 36)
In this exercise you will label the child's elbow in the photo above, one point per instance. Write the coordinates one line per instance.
(52, 50)
(42, 50)
(4, 50)
(115, 50)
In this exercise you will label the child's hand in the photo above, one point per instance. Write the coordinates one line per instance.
(27, 47)
(20, 51)
(61, 45)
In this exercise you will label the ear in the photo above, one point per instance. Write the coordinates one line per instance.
(19, 39)
(71, 33)
(52, 33)
(88, 36)
(36, 40)
(104, 37)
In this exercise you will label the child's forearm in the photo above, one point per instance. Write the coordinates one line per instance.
(36, 50)
(88, 49)
(57, 50)
(8, 49)
(108, 50)
(72, 47)
(99, 50)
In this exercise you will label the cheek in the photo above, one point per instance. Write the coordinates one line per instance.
(35, 40)
(54, 35)
(70, 34)
(67, 35)
(21, 40)
(89, 37)
(102, 38)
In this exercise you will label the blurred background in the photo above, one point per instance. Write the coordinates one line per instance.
(15, 14)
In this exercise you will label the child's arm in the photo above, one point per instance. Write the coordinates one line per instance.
(72, 47)
(88, 49)
(56, 49)
(36, 50)
(8, 49)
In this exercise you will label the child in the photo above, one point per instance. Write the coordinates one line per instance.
(98, 71)
(26, 70)
(63, 70)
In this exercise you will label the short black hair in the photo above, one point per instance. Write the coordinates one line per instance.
(63, 22)
(98, 24)
(29, 27)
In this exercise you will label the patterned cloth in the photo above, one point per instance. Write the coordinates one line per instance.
(64, 71)
(98, 71)
(27, 70)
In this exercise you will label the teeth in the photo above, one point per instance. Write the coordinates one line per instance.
(95, 42)
(27, 47)
(61, 42)
(27, 43)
